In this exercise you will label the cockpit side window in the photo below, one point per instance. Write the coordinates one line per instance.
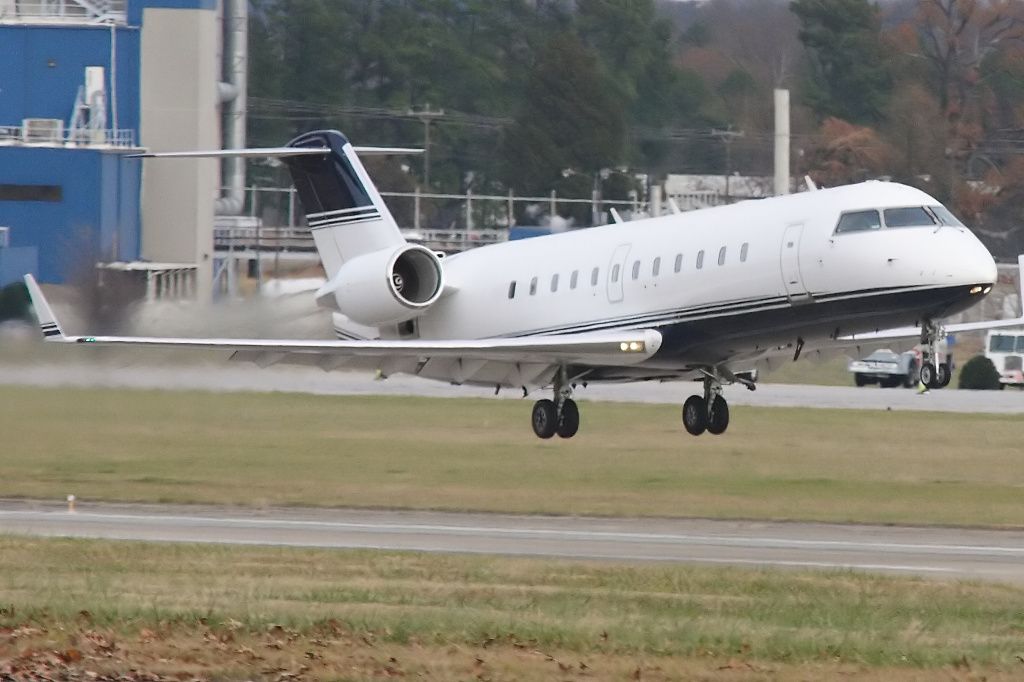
(945, 217)
(859, 221)
(914, 216)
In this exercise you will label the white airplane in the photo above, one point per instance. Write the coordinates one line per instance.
(704, 295)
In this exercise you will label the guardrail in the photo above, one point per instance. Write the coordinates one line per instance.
(19, 136)
(300, 240)
(64, 11)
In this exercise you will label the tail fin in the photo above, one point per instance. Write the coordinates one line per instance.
(345, 212)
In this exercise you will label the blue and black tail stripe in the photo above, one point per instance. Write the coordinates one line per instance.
(50, 329)
(358, 214)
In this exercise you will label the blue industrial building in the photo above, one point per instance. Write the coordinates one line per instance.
(69, 194)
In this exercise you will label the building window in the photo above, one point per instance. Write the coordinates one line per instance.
(679, 262)
(636, 269)
(721, 256)
(573, 278)
(615, 273)
(512, 289)
(533, 286)
(50, 193)
(554, 283)
(743, 252)
(656, 268)
(700, 259)
(594, 276)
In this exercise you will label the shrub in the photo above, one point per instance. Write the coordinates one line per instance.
(979, 373)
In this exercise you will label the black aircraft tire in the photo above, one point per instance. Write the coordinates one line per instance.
(544, 418)
(718, 422)
(569, 422)
(695, 415)
(928, 375)
(943, 376)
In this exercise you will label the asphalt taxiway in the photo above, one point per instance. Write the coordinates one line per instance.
(234, 377)
(927, 551)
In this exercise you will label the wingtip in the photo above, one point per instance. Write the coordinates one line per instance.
(48, 323)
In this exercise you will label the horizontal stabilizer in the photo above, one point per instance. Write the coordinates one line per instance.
(266, 152)
(272, 153)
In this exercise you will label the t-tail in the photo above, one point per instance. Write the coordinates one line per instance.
(374, 277)
(343, 208)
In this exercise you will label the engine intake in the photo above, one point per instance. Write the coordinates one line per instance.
(386, 286)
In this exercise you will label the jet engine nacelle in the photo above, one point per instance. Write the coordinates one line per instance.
(385, 287)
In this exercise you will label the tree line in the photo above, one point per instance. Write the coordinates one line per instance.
(535, 95)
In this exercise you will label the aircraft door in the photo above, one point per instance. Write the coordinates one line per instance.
(789, 262)
(617, 273)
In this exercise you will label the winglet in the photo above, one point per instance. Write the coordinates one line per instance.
(47, 320)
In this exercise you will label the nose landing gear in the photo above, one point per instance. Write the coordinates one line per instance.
(934, 374)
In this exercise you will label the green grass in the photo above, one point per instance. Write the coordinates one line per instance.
(283, 449)
(581, 607)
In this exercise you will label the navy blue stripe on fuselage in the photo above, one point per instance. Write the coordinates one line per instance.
(712, 311)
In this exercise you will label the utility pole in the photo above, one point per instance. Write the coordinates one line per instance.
(426, 116)
(727, 136)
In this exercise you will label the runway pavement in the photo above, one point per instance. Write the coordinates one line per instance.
(233, 377)
(935, 552)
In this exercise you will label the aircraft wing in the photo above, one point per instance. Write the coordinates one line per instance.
(594, 349)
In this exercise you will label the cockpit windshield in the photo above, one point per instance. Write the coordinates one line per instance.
(859, 221)
(915, 216)
(903, 216)
(945, 217)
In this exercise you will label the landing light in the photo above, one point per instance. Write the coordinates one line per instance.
(631, 346)
(976, 290)
(987, 289)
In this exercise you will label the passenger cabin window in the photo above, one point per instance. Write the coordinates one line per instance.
(700, 259)
(656, 268)
(554, 283)
(721, 256)
(533, 286)
(636, 269)
(512, 289)
(743, 252)
(915, 216)
(858, 221)
(573, 278)
(945, 217)
(594, 276)
(615, 272)
(679, 262)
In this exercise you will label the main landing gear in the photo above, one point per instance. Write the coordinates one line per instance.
(559, 416)
(711, 412)
(934, 374)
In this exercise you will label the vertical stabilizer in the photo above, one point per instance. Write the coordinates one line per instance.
(343, 208)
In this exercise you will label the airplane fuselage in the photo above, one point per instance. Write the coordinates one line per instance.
(724, 283)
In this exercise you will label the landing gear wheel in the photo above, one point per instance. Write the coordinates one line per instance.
(569, 421)
(928, 375)
(942, 375)
(695, 415)
(718, 420)
(545, 418)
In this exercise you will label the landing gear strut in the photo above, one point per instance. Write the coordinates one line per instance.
(933, 373)
(559, 416)
(710, 412)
